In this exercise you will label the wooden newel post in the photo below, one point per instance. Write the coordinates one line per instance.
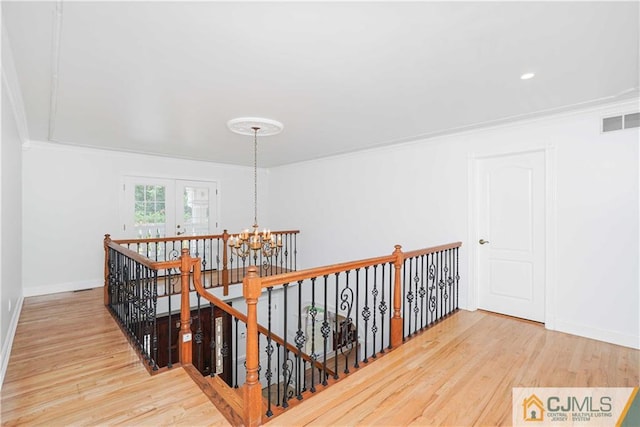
(225, 271)
(396, 320)
(107, 240)
(185, 336)
(252, 390)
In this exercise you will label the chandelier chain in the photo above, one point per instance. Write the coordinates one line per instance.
(265, 243)
(255, 175)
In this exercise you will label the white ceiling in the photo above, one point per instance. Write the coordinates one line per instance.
(165, 77)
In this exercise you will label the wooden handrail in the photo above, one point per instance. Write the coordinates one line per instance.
(295, 276)
(431, 250)
(197, 271)
(154, 265)
(309, 273)
(199, 237)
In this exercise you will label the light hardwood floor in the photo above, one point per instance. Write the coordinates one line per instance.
(71, 365)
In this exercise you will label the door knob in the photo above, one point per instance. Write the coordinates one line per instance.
(483, 242)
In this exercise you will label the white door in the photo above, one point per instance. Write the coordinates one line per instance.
(511, 234)
(158, 207)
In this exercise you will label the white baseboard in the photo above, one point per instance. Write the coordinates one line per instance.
(604, 335)
(8, 342)
(63, 287)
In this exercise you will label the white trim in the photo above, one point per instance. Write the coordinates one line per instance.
(472, 227)
(598, 334)
(11, 87)
(550, 227)
(8, 341)
(63, 287)
(551, 236)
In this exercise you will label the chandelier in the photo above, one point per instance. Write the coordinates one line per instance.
(246, 242)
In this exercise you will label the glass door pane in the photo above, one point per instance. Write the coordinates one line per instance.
(150, 210)
(196, 215)
(148, 207)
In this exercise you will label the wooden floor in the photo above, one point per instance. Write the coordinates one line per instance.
(71, 365)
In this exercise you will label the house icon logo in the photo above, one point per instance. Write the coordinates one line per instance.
(533, 409)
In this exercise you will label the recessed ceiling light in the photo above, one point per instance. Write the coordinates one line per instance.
(527, 76)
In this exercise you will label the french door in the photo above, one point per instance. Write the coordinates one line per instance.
(160, 207)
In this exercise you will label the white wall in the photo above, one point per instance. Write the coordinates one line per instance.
(358, 205)
(10, 218)
(71, 198)
(11, 295)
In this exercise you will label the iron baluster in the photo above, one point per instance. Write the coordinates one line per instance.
(382, 308)
(304, 376)
(366, 313)
(313, 312)
(457, 278)
(285, 365)
(235, 383)
(346, 304)
(356, 358)
(445, 279)
(416, 307)
(278, 372)
(287, 371)
(170, 326)
(269, 350)
(440, 285)
(451, 281)
(410, 294)
(420, 291)
(212, 340)
(299, 340)
(286, 242)
(335, 333)
(198, 337)
(431, 279)
(374, 327)
(325, 333)
(403, 293)
(154, 318)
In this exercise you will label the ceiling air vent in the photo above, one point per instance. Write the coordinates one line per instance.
(626, 121)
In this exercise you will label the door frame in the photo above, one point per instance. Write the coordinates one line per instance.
(550, 214)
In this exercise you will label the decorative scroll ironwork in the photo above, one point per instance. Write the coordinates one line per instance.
(133, 295)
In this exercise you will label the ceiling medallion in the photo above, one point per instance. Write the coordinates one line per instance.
(246, 125)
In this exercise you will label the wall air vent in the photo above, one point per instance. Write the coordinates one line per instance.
(626, 121)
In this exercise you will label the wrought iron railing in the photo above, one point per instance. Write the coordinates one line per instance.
(319, 325)
(143, 281)
(220, 266)
(309, 329)
(429, 287)
(131, 294)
